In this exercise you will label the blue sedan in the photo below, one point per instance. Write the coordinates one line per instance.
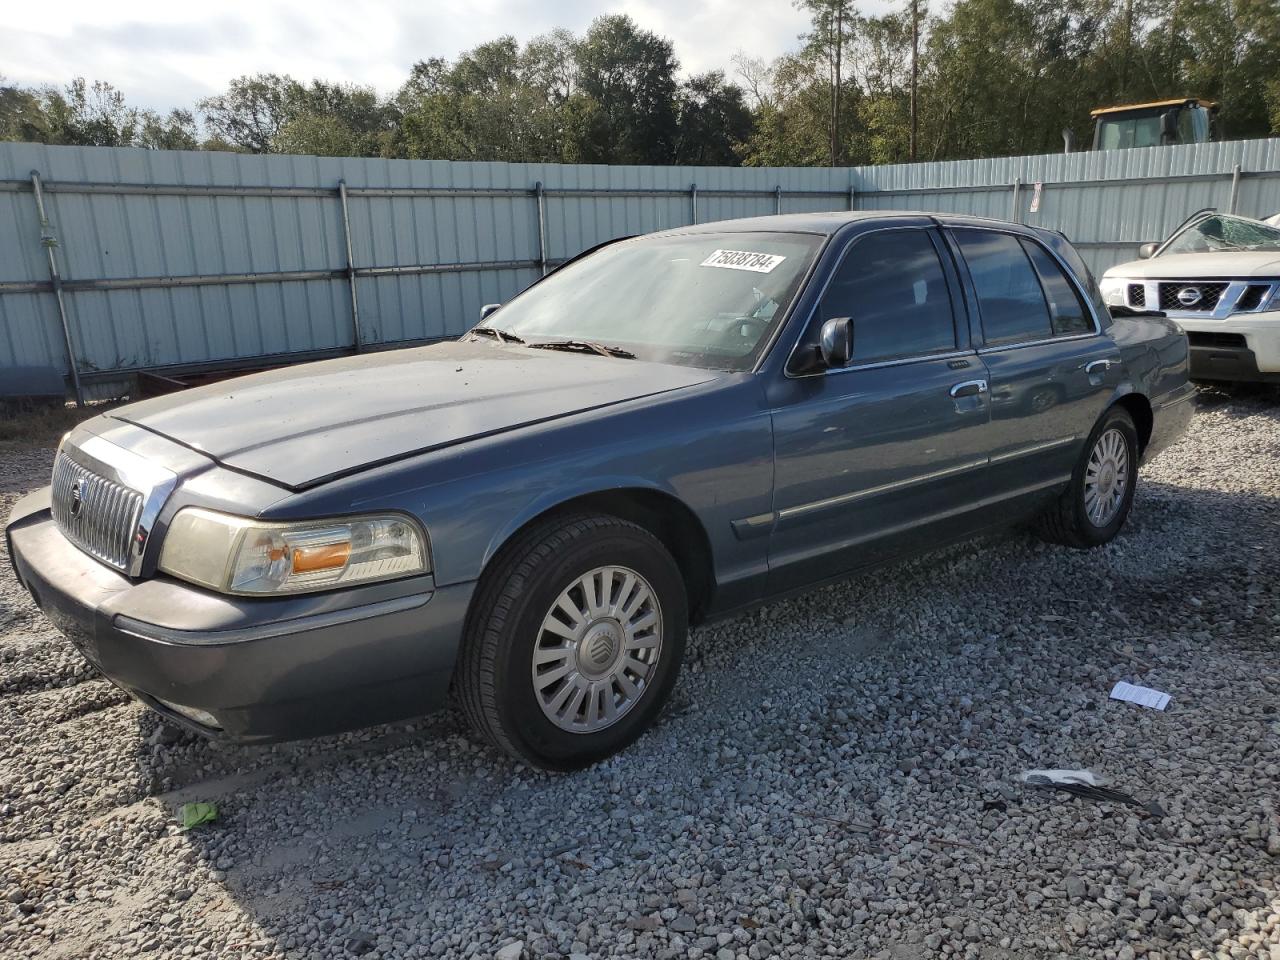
(667, 429)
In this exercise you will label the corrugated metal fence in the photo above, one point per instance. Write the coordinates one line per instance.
(141, 260)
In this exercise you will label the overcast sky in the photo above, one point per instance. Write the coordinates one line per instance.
(163, 56)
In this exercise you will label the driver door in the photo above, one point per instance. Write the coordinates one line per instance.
(874, 457)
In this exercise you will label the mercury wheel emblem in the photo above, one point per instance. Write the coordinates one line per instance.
(1189, 296)
(76, 502)
(600, 651)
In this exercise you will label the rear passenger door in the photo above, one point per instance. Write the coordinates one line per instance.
(1051, 370)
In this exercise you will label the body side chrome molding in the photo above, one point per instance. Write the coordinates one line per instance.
(933, 518)
(788, 513)
(1033, 448)
(759, 524)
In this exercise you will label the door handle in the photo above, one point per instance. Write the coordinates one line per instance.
(1103, 365)
(969, 388)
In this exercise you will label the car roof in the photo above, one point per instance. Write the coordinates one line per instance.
(831, 222)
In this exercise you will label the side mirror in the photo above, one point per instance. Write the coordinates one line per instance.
(835, 345)
(1147, 251)
(487, 309)
(1169, 126)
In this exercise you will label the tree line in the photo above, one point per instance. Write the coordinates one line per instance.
(978, 78)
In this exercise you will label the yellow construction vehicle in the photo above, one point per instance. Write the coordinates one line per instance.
(1155, 124)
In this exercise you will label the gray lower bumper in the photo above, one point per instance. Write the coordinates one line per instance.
(1236, 364)
(266, 669)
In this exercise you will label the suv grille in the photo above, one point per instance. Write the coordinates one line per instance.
(1207, 295)
(1137, 295)
(1251, 299)
(96, 514)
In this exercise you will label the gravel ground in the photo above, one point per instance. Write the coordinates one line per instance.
(837, 776)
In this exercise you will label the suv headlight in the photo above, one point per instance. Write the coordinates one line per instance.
(254, 557)
(1113, 291)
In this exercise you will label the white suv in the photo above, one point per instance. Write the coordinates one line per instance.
(1218, 276)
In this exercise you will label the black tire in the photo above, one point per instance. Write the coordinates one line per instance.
(493, 683)
(1066, 520)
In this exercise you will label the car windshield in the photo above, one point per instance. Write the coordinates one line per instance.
(1224, 233)
(702, 300)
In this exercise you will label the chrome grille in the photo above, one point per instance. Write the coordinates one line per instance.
(1253, 296)
(98, 515)
(1206, 295)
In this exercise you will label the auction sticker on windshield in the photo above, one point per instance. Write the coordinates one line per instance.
(743, 260)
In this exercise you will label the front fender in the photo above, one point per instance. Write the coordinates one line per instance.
(551, 499)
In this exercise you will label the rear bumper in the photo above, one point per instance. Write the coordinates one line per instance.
(261, 669)
(1171, 415)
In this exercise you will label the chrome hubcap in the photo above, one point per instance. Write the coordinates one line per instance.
(597, 649)
(1106, 478)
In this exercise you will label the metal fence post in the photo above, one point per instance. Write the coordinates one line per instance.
(357, 338)
(777, 199)
(1016, 213)
(49, 241)
(693, 203)
(1235, 189)
(541, 197)
(853, 197)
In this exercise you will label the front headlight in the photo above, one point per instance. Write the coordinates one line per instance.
(239, 555)
(1113, 291)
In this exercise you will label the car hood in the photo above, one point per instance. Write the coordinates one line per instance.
(1201, 266)
(300, 426)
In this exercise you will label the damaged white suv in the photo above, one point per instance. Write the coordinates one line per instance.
(1218, 277)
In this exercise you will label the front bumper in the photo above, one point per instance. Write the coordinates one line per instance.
(1236, 349)
(265, 669)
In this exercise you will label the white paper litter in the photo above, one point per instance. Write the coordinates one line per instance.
(1087, 777)
(1143, 696)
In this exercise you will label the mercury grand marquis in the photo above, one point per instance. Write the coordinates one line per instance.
(529, 519)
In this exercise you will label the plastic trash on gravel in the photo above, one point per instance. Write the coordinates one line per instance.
(196, 814)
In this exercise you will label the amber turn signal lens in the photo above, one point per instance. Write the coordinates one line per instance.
(330, 556)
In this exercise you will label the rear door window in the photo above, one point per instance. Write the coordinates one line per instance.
(1066, 310)
(891, 285)
(1010, 299)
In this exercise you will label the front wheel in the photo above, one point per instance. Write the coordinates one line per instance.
(575, 641)
(1093, 508)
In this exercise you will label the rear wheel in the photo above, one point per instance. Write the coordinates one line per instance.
(1095, 505)
(574, 642)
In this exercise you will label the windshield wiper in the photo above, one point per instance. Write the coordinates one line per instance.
(584, 346)
(502, 336)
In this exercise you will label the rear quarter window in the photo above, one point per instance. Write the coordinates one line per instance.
(1083, 275)
(1010, 300)
(1066, 310)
